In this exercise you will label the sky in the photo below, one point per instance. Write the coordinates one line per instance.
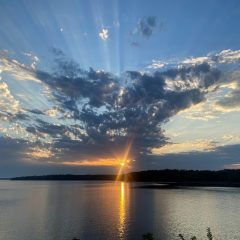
(94, 86)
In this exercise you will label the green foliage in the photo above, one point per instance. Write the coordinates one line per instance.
(181, 237)
(148, 236)
(209, 235)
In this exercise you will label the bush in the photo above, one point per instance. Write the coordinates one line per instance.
(209, 235)
(149, 236)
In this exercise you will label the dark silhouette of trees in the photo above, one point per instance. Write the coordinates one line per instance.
(172, 177)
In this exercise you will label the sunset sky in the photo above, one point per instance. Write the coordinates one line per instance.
(86, 86)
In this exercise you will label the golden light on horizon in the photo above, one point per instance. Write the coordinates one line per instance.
(118, 160)
(111, 162)
(93, 162)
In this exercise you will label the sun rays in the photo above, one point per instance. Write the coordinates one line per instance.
(125, 160)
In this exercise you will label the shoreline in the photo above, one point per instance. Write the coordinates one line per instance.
(154, 178)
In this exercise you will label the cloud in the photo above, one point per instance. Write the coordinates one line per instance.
(231, 138)
(97, 162)
(6, 149)
(185, 147)
(221, 158)
(221, 101)
(235, 166)
(135, 44)
(18, 70)
(224, 96)
(10, 109)
(8, 104)
(15, 149)
(197, 60)
(227, 56)
(19, 155)
(147, 26)
(52, 112)
(103, 34)
(224, 57)
(35, 111)
(39, 153)
(156, 64)
(231, 102)
(204, 111)
(95, 114)
(34, 59)
(109, 112)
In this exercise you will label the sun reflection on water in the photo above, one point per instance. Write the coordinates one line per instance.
(123, 207)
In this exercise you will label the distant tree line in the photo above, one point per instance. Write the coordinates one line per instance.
(70, 177)
(182, 177)
(185, 176)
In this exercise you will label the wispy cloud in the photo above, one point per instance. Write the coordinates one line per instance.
(232, 138)
(185, 147)
(227, 56)
(8, 104)
(17, 69)
(103, 34)
(96, 162)
(147, 26)
(235, 166)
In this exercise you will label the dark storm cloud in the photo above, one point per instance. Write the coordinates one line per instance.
(109, 110)
(147, 26)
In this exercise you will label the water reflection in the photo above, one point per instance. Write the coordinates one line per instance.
(114, 210)
(123, 209)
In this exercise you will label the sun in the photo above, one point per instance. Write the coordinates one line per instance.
(122, 164)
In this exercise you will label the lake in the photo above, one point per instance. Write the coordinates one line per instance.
(61, 210)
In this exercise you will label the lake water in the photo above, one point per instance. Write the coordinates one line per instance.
(107, 210)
